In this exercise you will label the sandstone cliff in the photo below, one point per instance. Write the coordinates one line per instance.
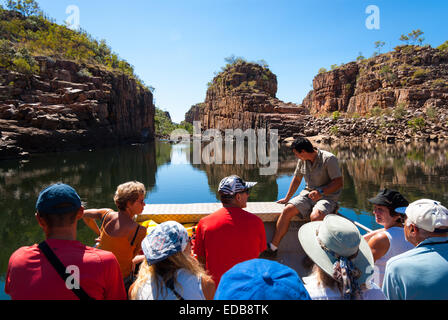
(412, 75)
(400, 95)
(243, 96)
(70, 106)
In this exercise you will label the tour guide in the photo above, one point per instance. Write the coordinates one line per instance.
(324, 183)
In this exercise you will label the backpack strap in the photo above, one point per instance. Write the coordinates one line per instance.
(60, 269)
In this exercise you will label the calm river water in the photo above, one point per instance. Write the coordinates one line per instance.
(417, 171)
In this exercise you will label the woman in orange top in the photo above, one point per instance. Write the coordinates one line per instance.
(119, 233)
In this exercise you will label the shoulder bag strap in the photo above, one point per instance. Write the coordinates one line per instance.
(170, 285)
(135, 235)
(60, 269)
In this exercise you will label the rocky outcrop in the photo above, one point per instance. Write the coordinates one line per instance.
(69, 106)
(243, 96)
(194, 114)
(400, 95)
(412, 76)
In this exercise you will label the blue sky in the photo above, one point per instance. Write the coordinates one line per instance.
(177, 45)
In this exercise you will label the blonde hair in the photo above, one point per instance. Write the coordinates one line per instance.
(166, 270)
(128, 192)
(325, 280)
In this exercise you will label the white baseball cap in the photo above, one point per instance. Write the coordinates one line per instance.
(427, 214)
(232, 185)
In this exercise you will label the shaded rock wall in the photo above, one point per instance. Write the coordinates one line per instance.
(70, 106)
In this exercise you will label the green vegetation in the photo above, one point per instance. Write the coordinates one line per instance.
(420, 73)
(387, 73)
(334, 130)
(355, 115)
(417, 124)
(27, 28)
(400, 111)
(19, 60)
(164, 126)
(251, 84)
(336, 115)
(375, 112)
(439, 83)
(232, 60)
(334, 66)
(414, 36)
(378, 45)
(431, 113)
(24, 7)
(443, 47)
(322, 70)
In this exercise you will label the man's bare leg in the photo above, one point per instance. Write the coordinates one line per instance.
(283, 222)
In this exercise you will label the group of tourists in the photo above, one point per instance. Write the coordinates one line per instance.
(229, 257)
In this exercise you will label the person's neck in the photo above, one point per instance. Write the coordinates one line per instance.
(62, 234)
(394, 225)
(313, 156)
(126, 214)
(232, 205)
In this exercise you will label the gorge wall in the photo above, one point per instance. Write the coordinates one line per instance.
(70, 106)
(398, 95)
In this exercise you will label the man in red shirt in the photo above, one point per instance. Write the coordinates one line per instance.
(89, 273)
(230, 235)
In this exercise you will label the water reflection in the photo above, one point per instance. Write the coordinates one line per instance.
(416, 170)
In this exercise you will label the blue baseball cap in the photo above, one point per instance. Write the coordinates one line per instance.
(164, 240)
(58, 199)
(261, 279)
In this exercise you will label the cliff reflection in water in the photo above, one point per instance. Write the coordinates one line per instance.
(417, 170)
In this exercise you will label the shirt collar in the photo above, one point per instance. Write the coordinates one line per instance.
(432, 240)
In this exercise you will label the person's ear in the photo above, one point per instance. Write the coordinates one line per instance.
(413, 228)
(42, 222)
(80, 213)
(238, 197)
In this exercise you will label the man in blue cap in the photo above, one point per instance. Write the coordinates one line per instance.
(261, 279)
(61, 268)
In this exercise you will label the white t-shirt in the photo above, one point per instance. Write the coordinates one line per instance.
(318, 292)
(188, 286)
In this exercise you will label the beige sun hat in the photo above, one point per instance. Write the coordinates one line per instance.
(323, 241)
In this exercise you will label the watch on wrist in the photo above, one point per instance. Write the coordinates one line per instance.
(321, 191)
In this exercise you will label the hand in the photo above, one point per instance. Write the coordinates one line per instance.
(138, 259)
(283, 201)
(315, 195)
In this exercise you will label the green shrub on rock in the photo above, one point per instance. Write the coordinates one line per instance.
(417, 124)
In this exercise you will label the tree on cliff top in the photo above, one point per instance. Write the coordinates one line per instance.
(25, 7)
(414, 36)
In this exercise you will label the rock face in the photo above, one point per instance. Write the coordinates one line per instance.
(243, 96)
(400, 95)
(412, 76)
(69, 107)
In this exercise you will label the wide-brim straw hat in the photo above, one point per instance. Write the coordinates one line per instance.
(340, 236)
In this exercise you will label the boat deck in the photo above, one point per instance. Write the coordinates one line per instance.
(192, 213)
